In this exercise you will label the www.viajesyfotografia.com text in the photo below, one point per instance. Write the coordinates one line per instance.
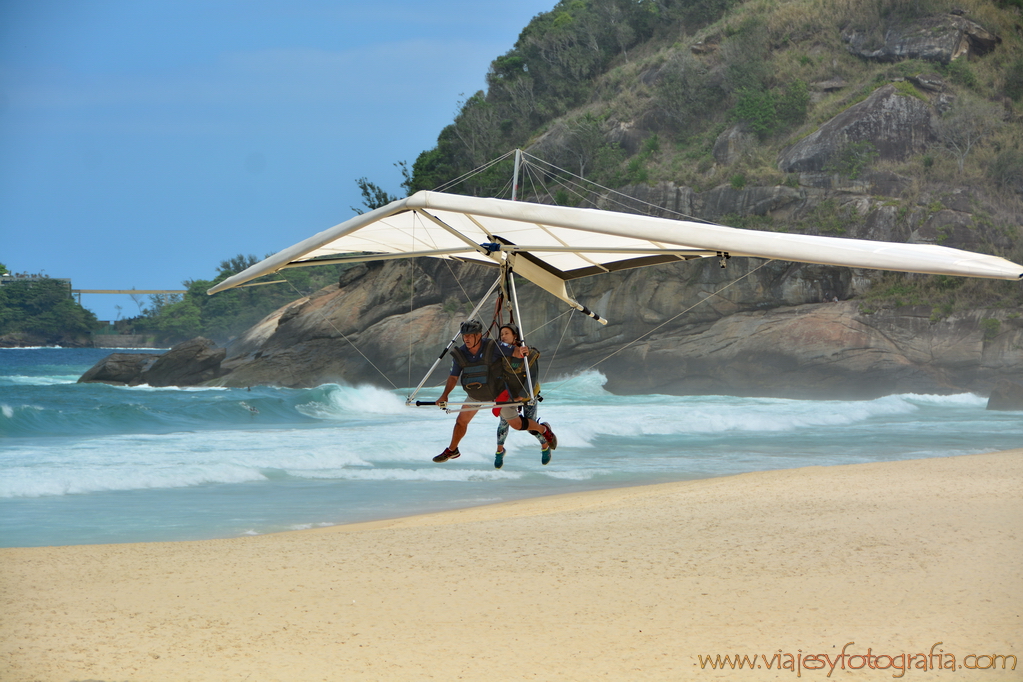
(935, 659)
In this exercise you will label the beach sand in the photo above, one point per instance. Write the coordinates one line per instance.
(625, 584)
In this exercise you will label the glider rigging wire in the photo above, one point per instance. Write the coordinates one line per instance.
(507, 281)
(578, 188)
(345, 337)
(643, 336)
(473, 172)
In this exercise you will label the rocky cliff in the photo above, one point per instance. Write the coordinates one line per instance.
(753, 328)
(764, 335)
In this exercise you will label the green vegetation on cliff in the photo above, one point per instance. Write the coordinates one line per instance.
(640, 92)
(41, 310)
(588, 82)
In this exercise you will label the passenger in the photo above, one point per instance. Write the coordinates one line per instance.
(515, 378)
(479, 364)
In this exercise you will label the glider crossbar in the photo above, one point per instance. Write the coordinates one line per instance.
(653, 251)
(575, 251)
(260, 284)
(364, 258)
(440, 223)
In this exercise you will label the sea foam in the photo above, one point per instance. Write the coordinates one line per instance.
(96, 463)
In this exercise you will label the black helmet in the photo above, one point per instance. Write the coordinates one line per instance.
(472, 327)
(514, 329)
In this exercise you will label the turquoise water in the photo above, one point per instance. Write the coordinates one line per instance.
(90, 463)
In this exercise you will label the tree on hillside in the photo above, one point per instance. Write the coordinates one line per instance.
(1007, 170)
(232, 266)
(139, 300)
(374, 196)
(616, 24)
(584, 140)
(475, 125)
(157, 302)
(744, 55)
(680, 89)
(965, 126)
(182, 320)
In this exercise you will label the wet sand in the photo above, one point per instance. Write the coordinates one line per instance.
(918, 558)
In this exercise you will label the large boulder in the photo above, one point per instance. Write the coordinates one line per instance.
(936, 39)
(119, 369)
(894, 124)
(1006, 395)
(186, 364)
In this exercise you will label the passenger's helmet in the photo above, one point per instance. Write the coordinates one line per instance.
(472, 327)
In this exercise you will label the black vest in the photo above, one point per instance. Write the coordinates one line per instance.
(482, 379)
(514, 370)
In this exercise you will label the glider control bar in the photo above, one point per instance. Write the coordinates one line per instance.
(653, 251)
(452, 407)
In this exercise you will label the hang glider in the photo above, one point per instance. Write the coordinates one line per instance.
(550, 245)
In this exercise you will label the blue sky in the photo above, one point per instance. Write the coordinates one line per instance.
(144, 141)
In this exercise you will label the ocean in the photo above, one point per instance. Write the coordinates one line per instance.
(91, 463)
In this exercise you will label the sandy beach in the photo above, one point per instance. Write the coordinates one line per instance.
(906, 567)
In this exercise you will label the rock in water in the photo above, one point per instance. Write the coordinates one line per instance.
(1006, 395)
(120, 369)
(186, 364)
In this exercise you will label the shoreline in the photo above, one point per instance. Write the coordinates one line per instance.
(633, 583)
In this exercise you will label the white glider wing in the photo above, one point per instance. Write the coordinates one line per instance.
(550, 245)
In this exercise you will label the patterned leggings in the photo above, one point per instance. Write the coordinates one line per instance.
(529, 412)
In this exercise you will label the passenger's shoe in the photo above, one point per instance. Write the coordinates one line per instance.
(545, 456)
(499, 459)
(552, 440)
(447, 454)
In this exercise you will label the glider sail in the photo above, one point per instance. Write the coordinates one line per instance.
(550, 245)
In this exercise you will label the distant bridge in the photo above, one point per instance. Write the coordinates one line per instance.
(79, 292)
